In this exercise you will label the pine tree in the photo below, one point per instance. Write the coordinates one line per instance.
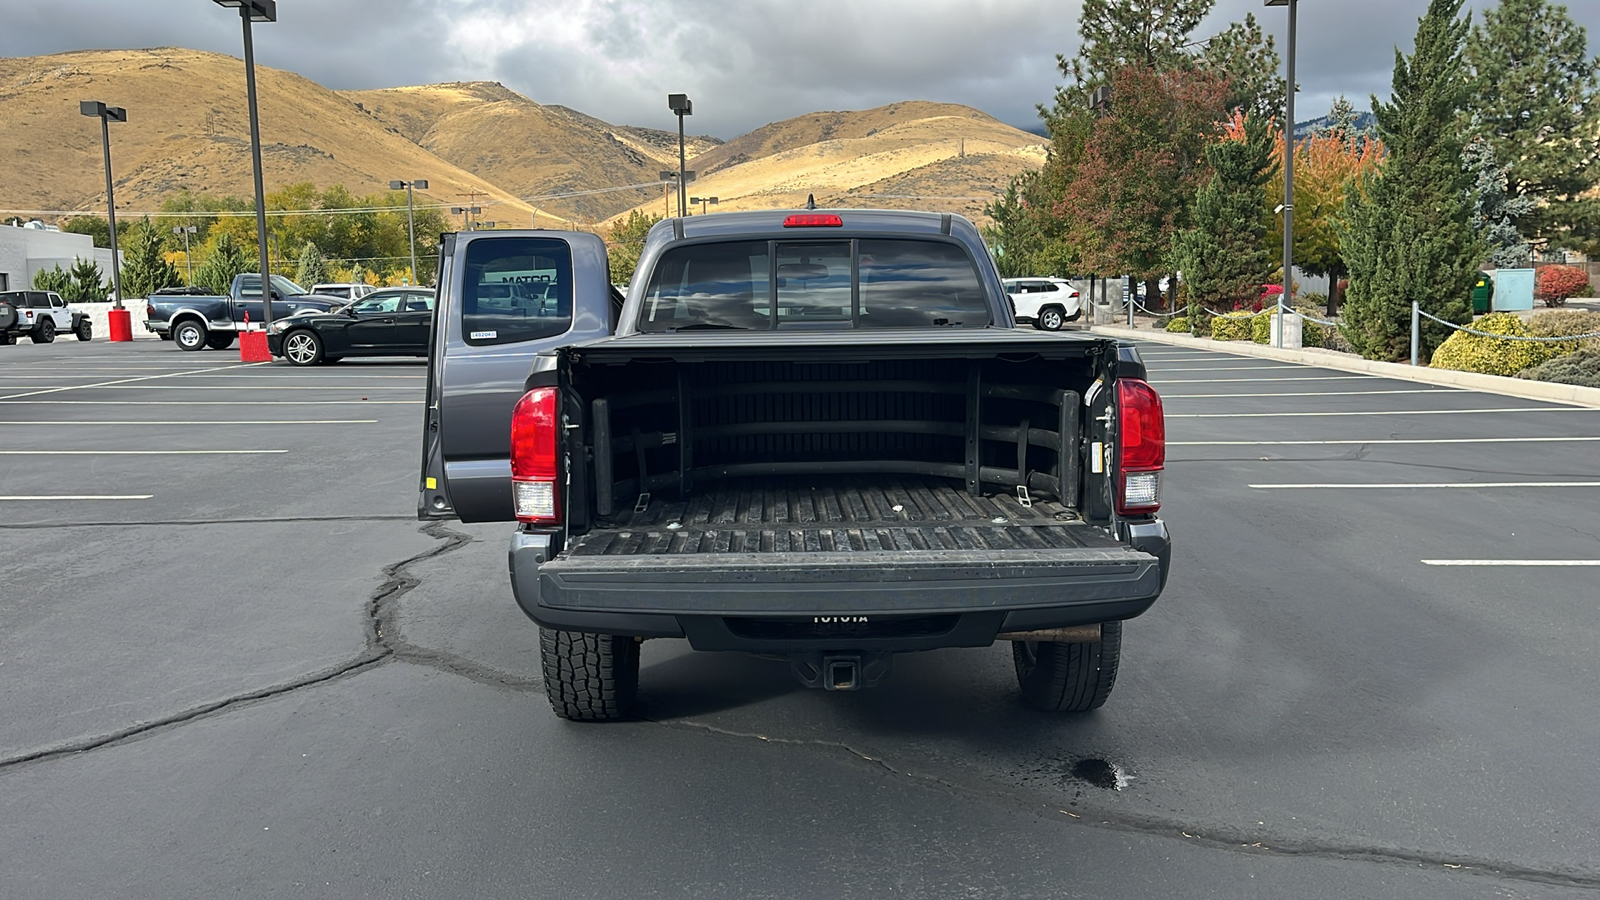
(1113, 34)
(1249, 60)
(52, 280)
(1223, 256)
(1408, 234)
(145, 269)
(225, 260)
(312, 267)
(1536, 94)
(88, 283)
(1494, 213)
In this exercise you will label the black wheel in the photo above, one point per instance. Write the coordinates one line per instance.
(220, 340)
(189, 335)
(8, 316)
(1077, 677)
(164, 337)
(1051, 318)
(84, 329)
(45, 332)
(7, 339)
(589, 677)
(302, 347)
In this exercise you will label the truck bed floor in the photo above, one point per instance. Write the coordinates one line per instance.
(837, 515)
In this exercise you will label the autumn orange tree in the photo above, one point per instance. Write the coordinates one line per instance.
(1326, 168)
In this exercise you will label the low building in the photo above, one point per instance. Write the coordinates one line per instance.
(28, 249)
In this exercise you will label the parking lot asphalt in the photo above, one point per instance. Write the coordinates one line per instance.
(232, 662)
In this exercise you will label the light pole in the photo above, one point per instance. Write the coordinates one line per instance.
(186, 230)
(669, 176)
(466, 213)
(121, 326)
(682, 106)
(1288, 172)
(256, 11)
(420, 184)
(703, 201)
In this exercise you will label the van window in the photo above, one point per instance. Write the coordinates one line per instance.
(516, 289)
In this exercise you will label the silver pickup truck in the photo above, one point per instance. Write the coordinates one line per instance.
(808, 433)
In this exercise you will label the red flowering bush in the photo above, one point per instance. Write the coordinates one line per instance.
(1554, 284)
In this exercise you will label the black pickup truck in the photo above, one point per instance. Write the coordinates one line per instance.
(196, 321)
(813, 434)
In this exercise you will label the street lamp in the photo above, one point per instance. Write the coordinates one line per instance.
(256, 11)
(120, 322)
(420, 184)
(703, 201)
(671, 176)
(186, 230)
(681, 105)
(1288, 172)
(466, 212)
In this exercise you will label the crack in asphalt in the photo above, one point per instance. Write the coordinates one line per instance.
(383, 644)
(1221, 838)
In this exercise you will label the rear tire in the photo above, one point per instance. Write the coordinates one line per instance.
(220, 340)
(189, 335)
(1051, 318)
(1077, 677)
(84, 329)
(45, 332)
(589, 677)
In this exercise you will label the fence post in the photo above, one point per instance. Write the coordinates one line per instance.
(1416, 329)
(1133, 297)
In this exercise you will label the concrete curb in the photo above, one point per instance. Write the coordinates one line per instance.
(1327, 359)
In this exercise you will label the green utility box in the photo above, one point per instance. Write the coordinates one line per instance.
(1482, 293)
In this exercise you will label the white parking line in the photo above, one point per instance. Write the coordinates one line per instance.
(203, 422)
(30, 498)
(119, 381)
(131, 452)
(1302, 393)
(1275, 379)
(242, 387)
(4, 402)
(1440, 484)
(1384, 412)
(1232, 368)
(1510, 440)
(1511, 562)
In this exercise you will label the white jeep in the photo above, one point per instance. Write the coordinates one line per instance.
(41, 315)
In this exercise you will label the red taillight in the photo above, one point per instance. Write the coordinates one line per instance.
(535, 439)
(813, 220)
(1141, 447)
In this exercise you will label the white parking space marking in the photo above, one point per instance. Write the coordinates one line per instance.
(25, 498)
(1510, 440)
(1473, 485)
(1305, 393)
(1275, 379)
(4, 402)
(131, 452)
(1381, 412)
(1262, 367)
(202, 422)
(243, 387)
(1511, 562)
(118, 381)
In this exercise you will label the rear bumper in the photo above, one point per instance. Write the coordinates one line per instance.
(785, 602)
(157, 327)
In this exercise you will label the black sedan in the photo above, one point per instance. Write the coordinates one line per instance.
(390, 322)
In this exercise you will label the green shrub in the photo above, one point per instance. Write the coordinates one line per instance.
(1465, 352)
(1560, 323)
(1334, 339)
(1581, 368)
(1179, 325)
(1311, 334)
(1231, 327)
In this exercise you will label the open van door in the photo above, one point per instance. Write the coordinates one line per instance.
(504, 298)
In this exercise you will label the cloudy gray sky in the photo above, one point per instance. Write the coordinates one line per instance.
(743, 62)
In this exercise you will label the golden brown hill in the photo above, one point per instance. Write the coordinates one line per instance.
(534, 151)
(934, 156)
(188, 129)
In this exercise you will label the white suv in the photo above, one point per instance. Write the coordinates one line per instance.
(345, 290)
(41, 315)
(1048, 303)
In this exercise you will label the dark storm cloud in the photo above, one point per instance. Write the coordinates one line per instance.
(744, 63)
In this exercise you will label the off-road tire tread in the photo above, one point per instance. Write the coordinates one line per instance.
(44, 332)
(589, 677)
(1075, 677)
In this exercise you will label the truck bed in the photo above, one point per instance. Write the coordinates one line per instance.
(846, 514)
